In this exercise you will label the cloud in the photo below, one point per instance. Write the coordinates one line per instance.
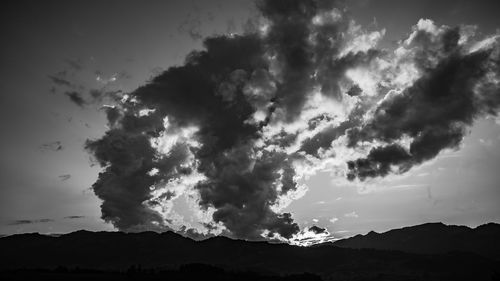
(74, 83)
(74, 217)
(238, 126)
(456, 87)
(22, 222)
(65, 177)
(76, 98)
(317, 229)
(53, 146)
(334, 220)
(60, 81)
(311, 235)
(124, 184)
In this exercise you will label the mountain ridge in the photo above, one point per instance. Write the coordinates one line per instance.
(169, 251)
(431, 238)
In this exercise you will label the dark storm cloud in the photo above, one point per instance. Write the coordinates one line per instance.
(379, 161)
(288, 37)
(306, 53)
(324, 138)
(226, 151)
(241, 190)
(317, 229)
(354, 91)
(435, 111)
(112, 114)
(124, 183)
(245, 171)
(208, 92)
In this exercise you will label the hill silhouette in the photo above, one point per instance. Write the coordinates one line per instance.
(114, 255)
(432, 238)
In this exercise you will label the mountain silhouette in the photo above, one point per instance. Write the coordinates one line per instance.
(432, 238)
(32, 256)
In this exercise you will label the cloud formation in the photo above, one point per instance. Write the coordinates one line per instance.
(235, 129)
(455, 87)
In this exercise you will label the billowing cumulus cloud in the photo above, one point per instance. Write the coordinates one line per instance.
(234, 130)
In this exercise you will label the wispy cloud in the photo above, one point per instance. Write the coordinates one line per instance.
(53, 146)
(60, 81)
(76, 98)
(65, 177)
(74, 217)
(21, 222)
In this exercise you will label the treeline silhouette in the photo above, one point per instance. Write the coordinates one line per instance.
(197, 272)
(189, 272)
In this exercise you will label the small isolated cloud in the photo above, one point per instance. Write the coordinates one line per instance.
(53, 146)
(74, 217)
(334, 220)
(76, 98)
(315, 220)
(65, 177)
(60, 81)
(21, 222)
(351, 215)
(317, 229)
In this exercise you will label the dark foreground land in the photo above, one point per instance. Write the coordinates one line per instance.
(425, 252)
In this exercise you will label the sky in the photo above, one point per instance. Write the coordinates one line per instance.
(294, 121)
